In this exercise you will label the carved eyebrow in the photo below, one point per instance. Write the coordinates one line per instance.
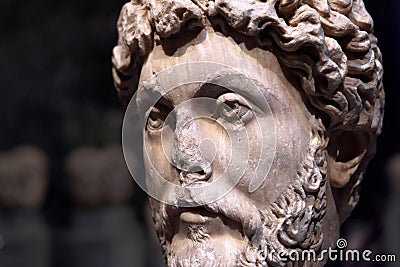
(271, 95)
(253, 92)
(145, 101)
(164, 102)
(211, 90)
(268, 95)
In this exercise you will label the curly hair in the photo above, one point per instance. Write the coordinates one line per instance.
(325, 47)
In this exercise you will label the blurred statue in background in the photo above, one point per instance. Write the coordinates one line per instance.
(103, 229)
(300, 79)
(24, 178)
(392, 212)
(99, 177)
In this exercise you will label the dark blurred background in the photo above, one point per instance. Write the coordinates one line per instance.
(61, 125)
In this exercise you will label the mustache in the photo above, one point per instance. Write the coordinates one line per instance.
(234, 206)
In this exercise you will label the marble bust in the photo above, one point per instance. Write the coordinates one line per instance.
(258, 120)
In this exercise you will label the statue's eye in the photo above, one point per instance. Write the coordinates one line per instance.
(156, 119)
(234, 108)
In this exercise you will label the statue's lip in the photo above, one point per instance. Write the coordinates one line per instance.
(200, 215)
(176, 212)
(197, 216)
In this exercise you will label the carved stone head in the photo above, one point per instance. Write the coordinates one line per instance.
(24, 178)
(98, 177)
(258, 120)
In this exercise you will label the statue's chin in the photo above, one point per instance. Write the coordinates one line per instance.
(216, 251)
(203, 239)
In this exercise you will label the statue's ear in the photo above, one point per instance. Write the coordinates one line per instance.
(346, 150)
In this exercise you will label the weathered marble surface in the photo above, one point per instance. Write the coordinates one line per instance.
(319, 69)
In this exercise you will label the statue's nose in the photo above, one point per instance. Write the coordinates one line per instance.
(197, 174)
(191, 163)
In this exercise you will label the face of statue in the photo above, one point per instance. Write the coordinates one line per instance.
(245, 164)
(191, 149)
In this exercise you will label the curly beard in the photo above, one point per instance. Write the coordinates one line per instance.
(291, 222)
(202, 253)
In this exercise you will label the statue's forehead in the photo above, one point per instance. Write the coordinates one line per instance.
(258, 65)
(214, 47)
